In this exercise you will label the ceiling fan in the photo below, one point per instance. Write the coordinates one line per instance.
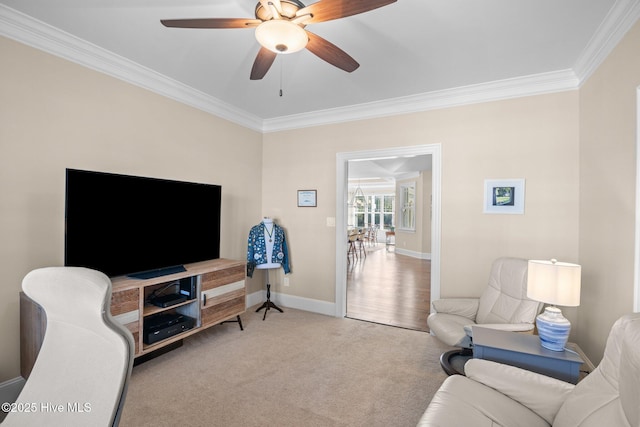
(280, 29)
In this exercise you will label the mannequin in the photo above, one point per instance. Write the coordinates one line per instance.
(267, 250)
(269, 227)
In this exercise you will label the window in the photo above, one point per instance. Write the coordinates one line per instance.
(360, 210)
(369, 210)
(388, 212)
(408, 206)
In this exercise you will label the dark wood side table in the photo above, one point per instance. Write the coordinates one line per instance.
(525, 351)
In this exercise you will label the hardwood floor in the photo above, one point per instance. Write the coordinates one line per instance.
(389, 288)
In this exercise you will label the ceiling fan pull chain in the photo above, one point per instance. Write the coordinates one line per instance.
(280, 60)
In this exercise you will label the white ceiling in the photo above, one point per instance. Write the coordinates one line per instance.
(413, 54)
(385, 170)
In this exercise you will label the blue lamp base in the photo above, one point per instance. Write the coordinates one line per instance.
(553, 329)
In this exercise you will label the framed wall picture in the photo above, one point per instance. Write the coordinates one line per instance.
(307, 198)
(504, 196)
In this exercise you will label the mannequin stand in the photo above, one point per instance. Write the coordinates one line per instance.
(268, 304)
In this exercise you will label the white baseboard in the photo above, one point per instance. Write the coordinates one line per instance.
(9, 391)
(292, 301)
(256, 298)
(413, 254)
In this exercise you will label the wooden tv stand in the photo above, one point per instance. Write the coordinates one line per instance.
(220, 295)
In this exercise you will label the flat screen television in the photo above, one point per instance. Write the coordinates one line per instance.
(139, 227)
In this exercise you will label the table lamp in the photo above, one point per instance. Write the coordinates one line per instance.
(553, 282)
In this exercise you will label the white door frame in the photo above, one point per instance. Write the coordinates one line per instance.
(342, 174)
(636, 273)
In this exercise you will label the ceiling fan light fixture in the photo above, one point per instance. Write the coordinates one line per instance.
(281, 36)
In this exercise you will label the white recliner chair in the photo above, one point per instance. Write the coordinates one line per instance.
(81, 373)
(493, 394)
(503, 305)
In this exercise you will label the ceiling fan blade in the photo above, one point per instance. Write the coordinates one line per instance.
(331, 53)
(277, 4)
(211, 23)
(326, 10)
(262, 63)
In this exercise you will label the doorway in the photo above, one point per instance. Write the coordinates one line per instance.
(342, 162)
(389, 227)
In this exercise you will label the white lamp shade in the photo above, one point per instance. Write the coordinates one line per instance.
(554, 282)
(281, 36)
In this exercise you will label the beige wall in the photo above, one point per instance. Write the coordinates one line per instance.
(535, 138)
(607, 192)
(54, 115)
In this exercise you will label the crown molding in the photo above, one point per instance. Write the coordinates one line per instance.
(537, 84)
(622, 16)
(25, 29)
(32, 32)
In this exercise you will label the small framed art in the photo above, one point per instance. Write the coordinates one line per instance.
(307, 198)
(504, 196)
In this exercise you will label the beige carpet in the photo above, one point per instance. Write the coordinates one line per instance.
(294, 369)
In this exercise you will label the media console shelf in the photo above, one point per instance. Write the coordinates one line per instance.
(219, 295)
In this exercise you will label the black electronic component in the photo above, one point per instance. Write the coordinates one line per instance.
(165, 325)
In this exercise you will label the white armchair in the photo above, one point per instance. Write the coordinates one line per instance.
(496, 394)
(81, 373)
(503, 305)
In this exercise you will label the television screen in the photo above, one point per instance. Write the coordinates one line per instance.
(124, 225)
